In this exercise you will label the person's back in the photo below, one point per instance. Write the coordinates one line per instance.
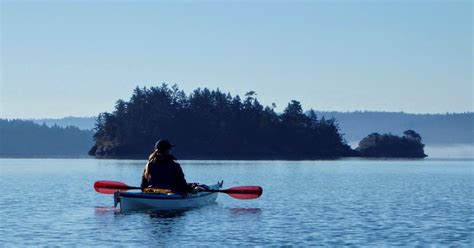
(162, 171)
(165, 173)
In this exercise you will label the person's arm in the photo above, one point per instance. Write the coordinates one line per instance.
(145, 183)
(146, 172)
(146, 177)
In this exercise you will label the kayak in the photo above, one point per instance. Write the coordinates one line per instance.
(134, 201)
(163, 199)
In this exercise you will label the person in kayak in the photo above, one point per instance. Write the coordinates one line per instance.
(162, 171)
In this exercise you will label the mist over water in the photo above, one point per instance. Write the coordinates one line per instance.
(451, 151)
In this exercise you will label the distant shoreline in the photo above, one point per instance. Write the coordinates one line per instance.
(435, 152)
(451, 147)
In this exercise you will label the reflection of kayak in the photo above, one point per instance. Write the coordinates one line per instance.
(164, 201)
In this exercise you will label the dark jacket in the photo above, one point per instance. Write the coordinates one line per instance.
(165, 174)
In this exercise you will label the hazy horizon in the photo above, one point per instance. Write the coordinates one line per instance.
(369, 111)
(76, 59)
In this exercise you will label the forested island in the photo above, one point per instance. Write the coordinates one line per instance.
(20, 138)
(210, 124)
(377, 145)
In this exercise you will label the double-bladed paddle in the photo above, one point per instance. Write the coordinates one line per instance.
(241, 192)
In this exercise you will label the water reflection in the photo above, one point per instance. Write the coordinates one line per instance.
(164, 226)
(245, 211)
(104, 210)
(168, 214)
(155, 214)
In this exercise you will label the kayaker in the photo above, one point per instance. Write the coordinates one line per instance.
(162, 171)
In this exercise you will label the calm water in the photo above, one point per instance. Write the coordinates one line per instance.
(348, 202)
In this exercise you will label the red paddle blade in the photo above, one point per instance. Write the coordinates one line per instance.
(110, 187)
(244, 192)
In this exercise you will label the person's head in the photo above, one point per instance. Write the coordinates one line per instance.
(163, 146)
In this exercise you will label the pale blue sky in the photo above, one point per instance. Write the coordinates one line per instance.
(61, 59)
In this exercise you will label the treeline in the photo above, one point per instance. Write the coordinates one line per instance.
(20, 138)
(84, 123)
(210, 124)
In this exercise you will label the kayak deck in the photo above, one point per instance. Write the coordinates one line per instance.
(130, 201)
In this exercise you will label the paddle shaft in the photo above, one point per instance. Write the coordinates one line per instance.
(227, 191)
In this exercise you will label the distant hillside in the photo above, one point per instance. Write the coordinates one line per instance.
(19, 138)
(436, 129)
(84, 123)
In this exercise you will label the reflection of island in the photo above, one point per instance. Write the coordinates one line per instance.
(392, 146)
